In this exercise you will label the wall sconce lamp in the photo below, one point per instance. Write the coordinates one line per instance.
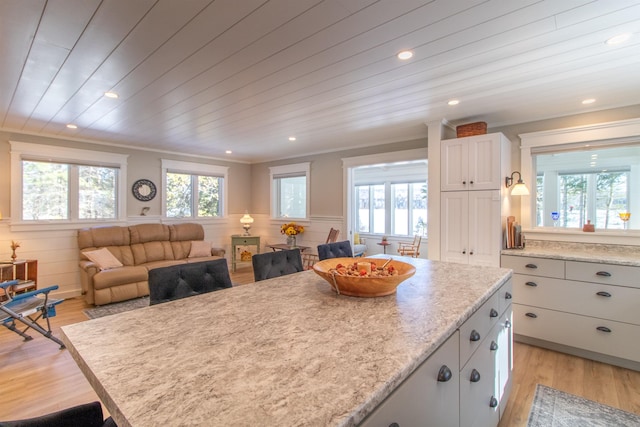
(246, 222)
(519, 189)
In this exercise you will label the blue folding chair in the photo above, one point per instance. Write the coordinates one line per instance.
(28, 308)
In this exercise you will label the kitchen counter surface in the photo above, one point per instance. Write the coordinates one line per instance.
(585, 252)
(282, 352)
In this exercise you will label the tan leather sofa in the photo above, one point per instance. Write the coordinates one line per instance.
(139, 248)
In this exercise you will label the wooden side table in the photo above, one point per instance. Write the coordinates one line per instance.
(384, 245)
(239, 240)
(25, 271)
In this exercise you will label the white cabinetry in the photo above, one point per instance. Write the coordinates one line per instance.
(474, 200)
(578, 306)
(466, 382)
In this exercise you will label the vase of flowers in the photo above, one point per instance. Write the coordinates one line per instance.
(291, 230)
(14, 245)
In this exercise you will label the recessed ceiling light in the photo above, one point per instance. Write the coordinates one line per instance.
(588, 101)
(111, 95)
(72, 126)
(292, 138)
(454, 102)
(405, 54)
(620, 38)
(228, 151)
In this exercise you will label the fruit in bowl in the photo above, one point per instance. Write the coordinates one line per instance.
(364, 277)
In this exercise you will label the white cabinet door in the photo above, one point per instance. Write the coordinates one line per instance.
(454, 165)
(485, 162)
(424, 399)
(485, 228)
(455, 226)
(471, 227)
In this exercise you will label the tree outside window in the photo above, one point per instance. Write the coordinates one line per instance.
(186, 194)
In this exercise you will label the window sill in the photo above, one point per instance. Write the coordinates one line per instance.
(620, 237)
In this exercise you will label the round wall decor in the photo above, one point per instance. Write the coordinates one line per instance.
(144, 190)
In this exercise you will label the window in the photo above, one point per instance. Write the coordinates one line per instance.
(289, 191)
(589, 183)
(391, 199)
(193, 190)
(64, 184)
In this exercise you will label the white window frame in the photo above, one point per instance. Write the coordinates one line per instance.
(50, 153)
(191, 168)
(281, 171)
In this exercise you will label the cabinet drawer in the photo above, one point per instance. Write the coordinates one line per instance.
(422, 399)
(534, 266)
(479, 384)
(622, 275)
(589, 299)
(476, 328)
(578, 331)
(505, 296)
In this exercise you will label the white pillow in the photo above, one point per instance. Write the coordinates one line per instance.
(103, 258)
(200, 248)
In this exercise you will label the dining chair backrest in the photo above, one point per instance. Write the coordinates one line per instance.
(335, 250)
(333, 235)
(274, 264)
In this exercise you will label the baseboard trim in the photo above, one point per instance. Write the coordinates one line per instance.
(599, 357)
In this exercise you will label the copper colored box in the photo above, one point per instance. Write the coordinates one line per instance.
(470, 129)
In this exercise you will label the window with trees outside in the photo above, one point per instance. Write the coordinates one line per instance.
(289, 191)
(599, 185)
(391, 199)
(193, 190)
(51, 183)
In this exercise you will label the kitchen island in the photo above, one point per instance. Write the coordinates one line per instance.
(281, 352)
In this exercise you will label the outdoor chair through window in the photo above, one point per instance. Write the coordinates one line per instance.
(411, 249)
(28, 309)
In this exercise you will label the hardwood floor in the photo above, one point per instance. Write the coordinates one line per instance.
(37, 378)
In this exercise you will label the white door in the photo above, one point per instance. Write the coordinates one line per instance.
(484, 162)
(454, 218)
(485, 228)
(454, 165)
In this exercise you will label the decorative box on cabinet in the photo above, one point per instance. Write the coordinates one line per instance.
(586, 309)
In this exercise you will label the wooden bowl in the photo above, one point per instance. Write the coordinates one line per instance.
(363, 286)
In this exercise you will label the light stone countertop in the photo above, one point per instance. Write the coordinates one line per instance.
(282, 352)
(584, 252)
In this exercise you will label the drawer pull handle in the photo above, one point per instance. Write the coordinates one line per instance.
(603, 274)
(475, 376)
(493, 346)
(493, 313)
(604, 294)
(531, 266)
(475, 336)
(493, 402)
(507, 295)
(507, 324)
(532, 284)
(532, 315)
(603, 329)
(444, 374)
(394, 425)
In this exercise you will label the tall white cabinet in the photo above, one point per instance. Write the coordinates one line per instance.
(474, 201)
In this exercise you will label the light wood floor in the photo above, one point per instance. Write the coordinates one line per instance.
(37, 378)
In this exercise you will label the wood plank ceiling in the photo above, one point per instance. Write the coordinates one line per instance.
(207, 76)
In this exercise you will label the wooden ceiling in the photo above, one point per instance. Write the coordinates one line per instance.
(203, 76)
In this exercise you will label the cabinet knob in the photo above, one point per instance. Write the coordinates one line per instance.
(464, 251)
(474, 336)
(471, 182)
(464, 182)
(508, 295)
(444, 374)
(603, 294)
(471, 253)
(532, 284)
(493, 346)
(532, 315)
(493, 402)
(475, 376)
(531, 266)
(603, 329)
(603, 274)
(493, 313)
(507, 324)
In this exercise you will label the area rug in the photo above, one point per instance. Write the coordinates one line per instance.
(116, 307)
(555, 408)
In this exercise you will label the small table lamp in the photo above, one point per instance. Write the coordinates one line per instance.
(246, 221)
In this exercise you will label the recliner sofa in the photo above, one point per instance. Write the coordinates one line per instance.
(139, 248)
